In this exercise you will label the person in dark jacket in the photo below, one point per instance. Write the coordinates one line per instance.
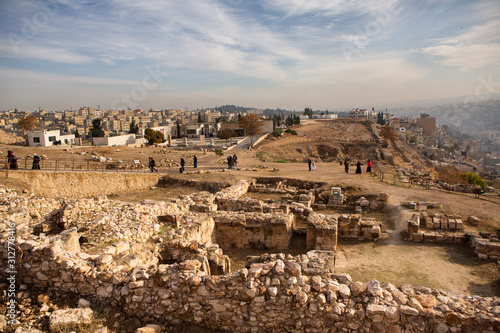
(346, 165)
(309, 163)
(195, 161)
(235, 160)
(230, 162)
(358, 168)
(36, 162)
(152, 165)
(183, 164)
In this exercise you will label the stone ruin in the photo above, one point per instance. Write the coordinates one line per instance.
(161, 262)
(443, 228)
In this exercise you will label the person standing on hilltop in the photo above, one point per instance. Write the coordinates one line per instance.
(358, 168)
(183, 163)
(11, 160)
(36, 162)
(152, 165)
(369, 166)
(195, 161)
(346, 165)
(235, 160)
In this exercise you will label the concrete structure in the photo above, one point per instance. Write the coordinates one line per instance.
(49, 138)
(121, 140)
(427, 123)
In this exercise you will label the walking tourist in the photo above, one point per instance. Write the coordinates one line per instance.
(369, 166)
(195, 161)
(358, 168)
(36, 162)
(152, 165)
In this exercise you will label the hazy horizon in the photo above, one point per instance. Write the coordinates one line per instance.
(287, 54)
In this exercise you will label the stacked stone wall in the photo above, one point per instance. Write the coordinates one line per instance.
(255, 230)
(268, 297)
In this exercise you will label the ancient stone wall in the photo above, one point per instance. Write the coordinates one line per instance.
(83, 184)
(254, 230)
(153, 270)
(434, 227)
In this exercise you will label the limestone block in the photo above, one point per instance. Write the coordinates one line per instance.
(460, 224)
(452, 224)
(70, 320)
(473, 221)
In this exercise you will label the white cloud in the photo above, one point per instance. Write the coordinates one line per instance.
(331, 7)
(476, 48)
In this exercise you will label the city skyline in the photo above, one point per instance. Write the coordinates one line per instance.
(287, 54)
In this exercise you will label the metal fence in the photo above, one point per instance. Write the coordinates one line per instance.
(95, 166)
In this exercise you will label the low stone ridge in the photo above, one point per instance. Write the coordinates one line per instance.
(160, 260)
(435, 227)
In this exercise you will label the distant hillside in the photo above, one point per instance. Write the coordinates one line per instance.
(233, 108)
(469, 117)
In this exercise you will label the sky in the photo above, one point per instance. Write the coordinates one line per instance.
(288, 54)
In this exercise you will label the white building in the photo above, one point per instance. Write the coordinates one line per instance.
(49, 138)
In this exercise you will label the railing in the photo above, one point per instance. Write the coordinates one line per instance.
(390, 177)
(95, 166)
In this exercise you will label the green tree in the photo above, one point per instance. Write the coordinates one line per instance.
(77, 134)
(473, 179)
(226, 134)
(380, 119)
(153, 136)
(308, 112)
(96, 130)
(134, 128)
(199, 118)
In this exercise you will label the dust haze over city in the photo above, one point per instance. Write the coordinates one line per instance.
(250, 166)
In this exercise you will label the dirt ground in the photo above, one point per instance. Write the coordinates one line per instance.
(451, 268)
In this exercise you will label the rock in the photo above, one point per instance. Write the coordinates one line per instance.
(344, 291)
(70, 320)
(83, 303)
(473, 221)
(357, 288)
(301, 297)
(373, 288)
(408, 310)
(149, 328)
(27, 330)
(383, 197)
(293, 268)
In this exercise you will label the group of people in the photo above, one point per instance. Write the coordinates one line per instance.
(152, 164)
(12, 161)
(232, 161)
(311, 164)
(358, 166)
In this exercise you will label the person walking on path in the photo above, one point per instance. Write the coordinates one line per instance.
(12, 160)
(36, 162)
(183, 163)
(369, 166)
(152, 165)
(195, 161)
(309, 163)
(230, 162)
(346, 165)
(358, 168)
(235, 160)
(313, 165)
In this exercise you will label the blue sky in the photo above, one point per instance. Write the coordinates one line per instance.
(324, 54)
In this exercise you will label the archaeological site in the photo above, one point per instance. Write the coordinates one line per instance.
(163, 262)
